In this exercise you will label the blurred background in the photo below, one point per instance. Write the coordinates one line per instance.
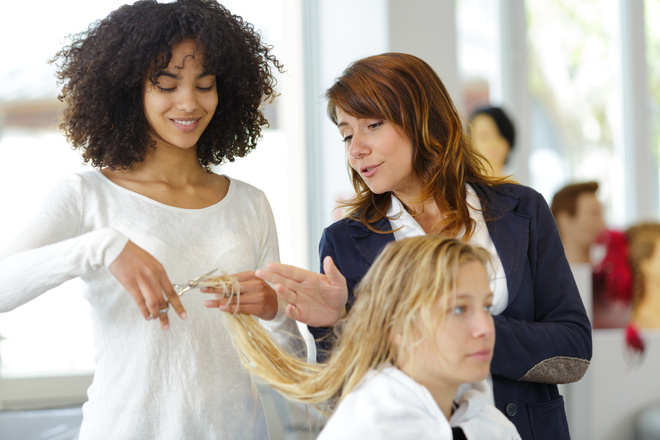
(579, 79)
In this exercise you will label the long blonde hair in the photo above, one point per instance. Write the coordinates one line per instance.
(405, 292)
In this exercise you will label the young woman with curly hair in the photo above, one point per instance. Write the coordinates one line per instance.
(155, 94)
(416, 172)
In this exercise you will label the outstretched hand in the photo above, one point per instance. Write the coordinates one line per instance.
(145, 279)
(313, 298)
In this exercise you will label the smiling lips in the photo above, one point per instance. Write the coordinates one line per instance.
(186, 124)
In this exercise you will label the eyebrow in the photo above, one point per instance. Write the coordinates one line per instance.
(176, 76)
(342, 124)
(464, 295)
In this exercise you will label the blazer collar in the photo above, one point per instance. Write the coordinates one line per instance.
(370, 243)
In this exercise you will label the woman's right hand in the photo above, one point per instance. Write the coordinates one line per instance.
(313, 298)
(145, 279)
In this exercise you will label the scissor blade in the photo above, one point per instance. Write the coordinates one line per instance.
(200, 278)
(194, 283)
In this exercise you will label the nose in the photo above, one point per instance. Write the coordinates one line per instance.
(358, 147)
(187, 100)
(483, 325)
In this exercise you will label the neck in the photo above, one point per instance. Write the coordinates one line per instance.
(176, 167)
(443, 393)
(576, 253)
(647, 312)
(427, 213)
(498, 171)
(443, 396)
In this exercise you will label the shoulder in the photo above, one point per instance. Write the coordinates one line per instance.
(355, 229)
(390, 405)
(245, 189)
(508, 197)
(73, 185)
(246, 196)
(514, 190)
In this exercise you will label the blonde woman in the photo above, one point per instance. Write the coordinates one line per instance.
(421, 326)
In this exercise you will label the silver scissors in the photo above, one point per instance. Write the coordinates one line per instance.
(180, 289)
(183, 288)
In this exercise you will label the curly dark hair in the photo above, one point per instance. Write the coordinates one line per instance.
(104, 68)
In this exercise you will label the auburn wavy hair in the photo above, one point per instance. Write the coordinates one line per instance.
(104, 69)
(405, 91)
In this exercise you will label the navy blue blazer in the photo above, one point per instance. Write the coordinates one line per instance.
(543, 337)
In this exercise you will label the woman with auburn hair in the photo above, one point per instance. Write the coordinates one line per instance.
(141, 89)
(420, 328)
(415, 172)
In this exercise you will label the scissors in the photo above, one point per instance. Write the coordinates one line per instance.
(183, 288)
(180, 289)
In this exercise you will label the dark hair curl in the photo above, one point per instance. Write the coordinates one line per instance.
(104, 68)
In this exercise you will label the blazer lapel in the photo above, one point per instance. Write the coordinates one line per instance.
(370, 243)
(509, 232)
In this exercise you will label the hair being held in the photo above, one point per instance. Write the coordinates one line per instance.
(405, 292)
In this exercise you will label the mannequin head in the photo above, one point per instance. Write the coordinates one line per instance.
(644, 256)
(493, 134)
(579, 217)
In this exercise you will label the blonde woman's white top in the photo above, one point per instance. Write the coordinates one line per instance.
(389, 405)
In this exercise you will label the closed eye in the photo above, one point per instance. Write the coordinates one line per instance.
(375, 125)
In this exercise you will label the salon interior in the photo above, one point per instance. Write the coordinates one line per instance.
(579, 79)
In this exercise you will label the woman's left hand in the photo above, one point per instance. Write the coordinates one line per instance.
(256, 298)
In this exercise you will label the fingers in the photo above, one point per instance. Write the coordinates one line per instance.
(289, 272)
(173, 299)
(145, 279)
(334, 276)
(280, 284)
(293, 313)
(256, 297)
(288, 295)
(285, 286)
(154, 299)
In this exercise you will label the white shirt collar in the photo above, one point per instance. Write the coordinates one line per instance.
(404, 225)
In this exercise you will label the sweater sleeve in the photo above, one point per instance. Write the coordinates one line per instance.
(284, 329)
(51, 248)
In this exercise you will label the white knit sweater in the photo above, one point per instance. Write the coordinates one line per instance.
(185, 383)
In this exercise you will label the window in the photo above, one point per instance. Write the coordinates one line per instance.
(574, 84)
